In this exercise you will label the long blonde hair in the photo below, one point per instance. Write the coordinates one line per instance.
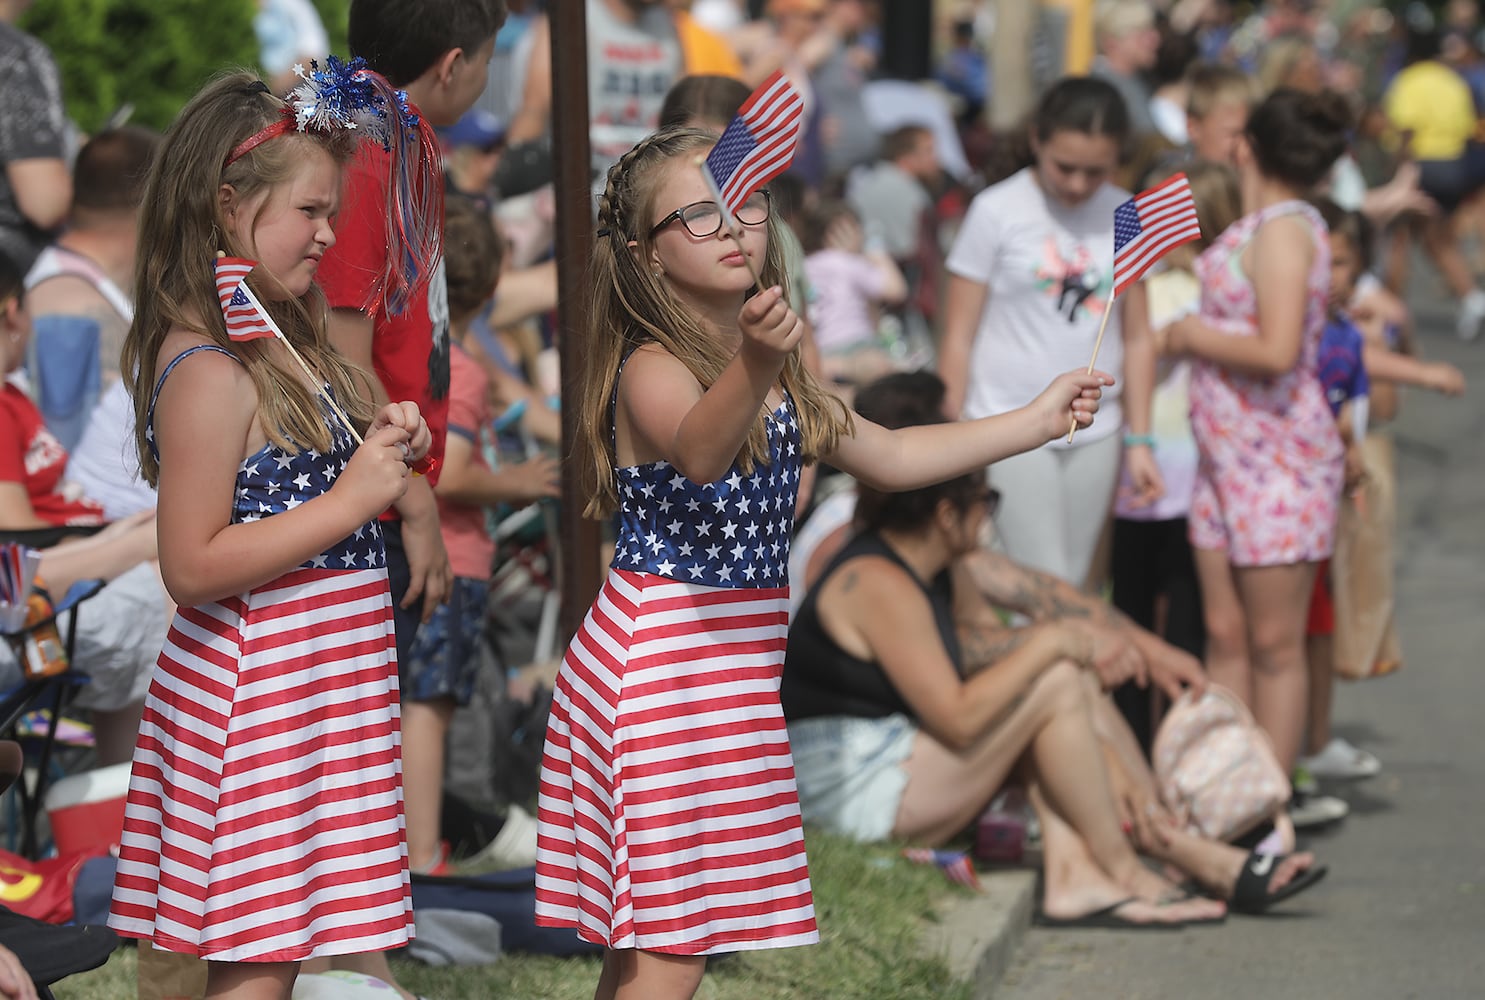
(181, 228)
(628, 306)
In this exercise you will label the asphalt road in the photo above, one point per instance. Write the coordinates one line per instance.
(1402, 913)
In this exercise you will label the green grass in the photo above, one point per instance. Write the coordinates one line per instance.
(872, 906)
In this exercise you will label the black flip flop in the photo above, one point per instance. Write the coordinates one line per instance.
(1105, 919)
(1250, 894)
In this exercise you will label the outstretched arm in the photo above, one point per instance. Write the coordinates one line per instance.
(913, 457)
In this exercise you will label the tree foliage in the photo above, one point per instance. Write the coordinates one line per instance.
(152, 54)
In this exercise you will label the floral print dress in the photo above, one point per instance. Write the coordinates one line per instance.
(1271, 459)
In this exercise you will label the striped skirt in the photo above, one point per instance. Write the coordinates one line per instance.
(668, 814)
(264, 819)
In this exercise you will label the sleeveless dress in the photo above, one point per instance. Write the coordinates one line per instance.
(668, 815)
(1270, 471)
(264, 817)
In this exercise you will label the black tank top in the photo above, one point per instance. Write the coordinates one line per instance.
(820, 678)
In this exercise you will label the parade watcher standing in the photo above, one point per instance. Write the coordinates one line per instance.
(272, 718)
(666, 782)
(1269, 479)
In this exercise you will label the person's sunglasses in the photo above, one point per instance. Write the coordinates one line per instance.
(704, 218)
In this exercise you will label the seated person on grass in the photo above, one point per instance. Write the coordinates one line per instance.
(77, 291)
(120, 631)
(896, 735)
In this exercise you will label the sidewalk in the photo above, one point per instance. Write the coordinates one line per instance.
(979, 934)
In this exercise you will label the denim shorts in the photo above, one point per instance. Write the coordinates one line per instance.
(444, 661)
(849, 772)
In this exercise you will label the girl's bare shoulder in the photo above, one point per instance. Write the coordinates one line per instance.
(207, 371)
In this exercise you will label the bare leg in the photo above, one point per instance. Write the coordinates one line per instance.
(1227, 628)
(425, 727)
(1319, 656)
(1052, 730)
(250, 980)
(1217, 865)
(1073, 883)
(1276, 599)
(947, 789)
(631, 974)
(1441, 241)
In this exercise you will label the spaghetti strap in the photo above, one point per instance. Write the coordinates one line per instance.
(160, 383)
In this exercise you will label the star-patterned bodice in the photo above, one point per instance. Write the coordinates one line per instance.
(272, 481)
(731, 533)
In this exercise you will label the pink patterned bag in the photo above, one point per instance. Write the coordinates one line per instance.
(1215, 769)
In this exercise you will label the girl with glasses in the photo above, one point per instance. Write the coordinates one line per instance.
(667, 780)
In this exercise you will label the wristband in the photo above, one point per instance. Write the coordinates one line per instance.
(1136, 440)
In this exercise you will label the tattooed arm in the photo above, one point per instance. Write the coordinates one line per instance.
(985, 580)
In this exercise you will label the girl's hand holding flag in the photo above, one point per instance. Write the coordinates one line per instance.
(1146, 228)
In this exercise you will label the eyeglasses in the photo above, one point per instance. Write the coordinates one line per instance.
(704, 218)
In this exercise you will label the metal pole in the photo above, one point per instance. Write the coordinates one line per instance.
(578, 537)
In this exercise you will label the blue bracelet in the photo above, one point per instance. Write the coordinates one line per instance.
(1135, 440)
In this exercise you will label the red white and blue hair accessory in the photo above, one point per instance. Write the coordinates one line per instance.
(348, 95)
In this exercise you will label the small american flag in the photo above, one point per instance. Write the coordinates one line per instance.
(954, 864)
(757, 145)
(245, 319)
(1150, 225)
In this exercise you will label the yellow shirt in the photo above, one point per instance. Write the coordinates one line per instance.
(1432, 102)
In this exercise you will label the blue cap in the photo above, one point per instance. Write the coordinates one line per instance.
(477, 128)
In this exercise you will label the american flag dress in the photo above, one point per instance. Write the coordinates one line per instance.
(264, 817)
(668, 816)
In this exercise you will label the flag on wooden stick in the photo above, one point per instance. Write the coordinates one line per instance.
(1150, 225)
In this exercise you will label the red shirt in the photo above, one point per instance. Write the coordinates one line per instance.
(30, 455)
(466, 535)
(410, 352)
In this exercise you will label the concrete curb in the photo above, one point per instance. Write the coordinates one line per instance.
(978, 934)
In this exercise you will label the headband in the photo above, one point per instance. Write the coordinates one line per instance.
(350, 96)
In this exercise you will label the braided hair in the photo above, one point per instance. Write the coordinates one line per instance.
(629, 306)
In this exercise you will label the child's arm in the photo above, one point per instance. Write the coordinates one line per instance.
(964, 302)
(918, 456)
(16, 512)
(1278, 259)
(203, 419)
(463, 481)
(430, 578)
(665, 413)
(1440, 376)
(1139, 391)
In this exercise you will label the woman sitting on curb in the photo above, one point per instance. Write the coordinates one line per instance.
(890, 739)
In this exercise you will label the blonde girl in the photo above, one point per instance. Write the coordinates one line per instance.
(264, 818)
(668, 821)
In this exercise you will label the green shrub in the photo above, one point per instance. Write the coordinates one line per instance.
(335, 14)
(153, 54)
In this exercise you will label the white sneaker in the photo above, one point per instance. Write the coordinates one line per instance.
(514, 846)
(1308, 811)
(1471, 315)
(1340, 760)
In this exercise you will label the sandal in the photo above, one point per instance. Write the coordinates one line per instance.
(1106, 918)
(1251, 895)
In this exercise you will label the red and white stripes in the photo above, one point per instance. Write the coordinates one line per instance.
(264, 819)
(669, 817)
